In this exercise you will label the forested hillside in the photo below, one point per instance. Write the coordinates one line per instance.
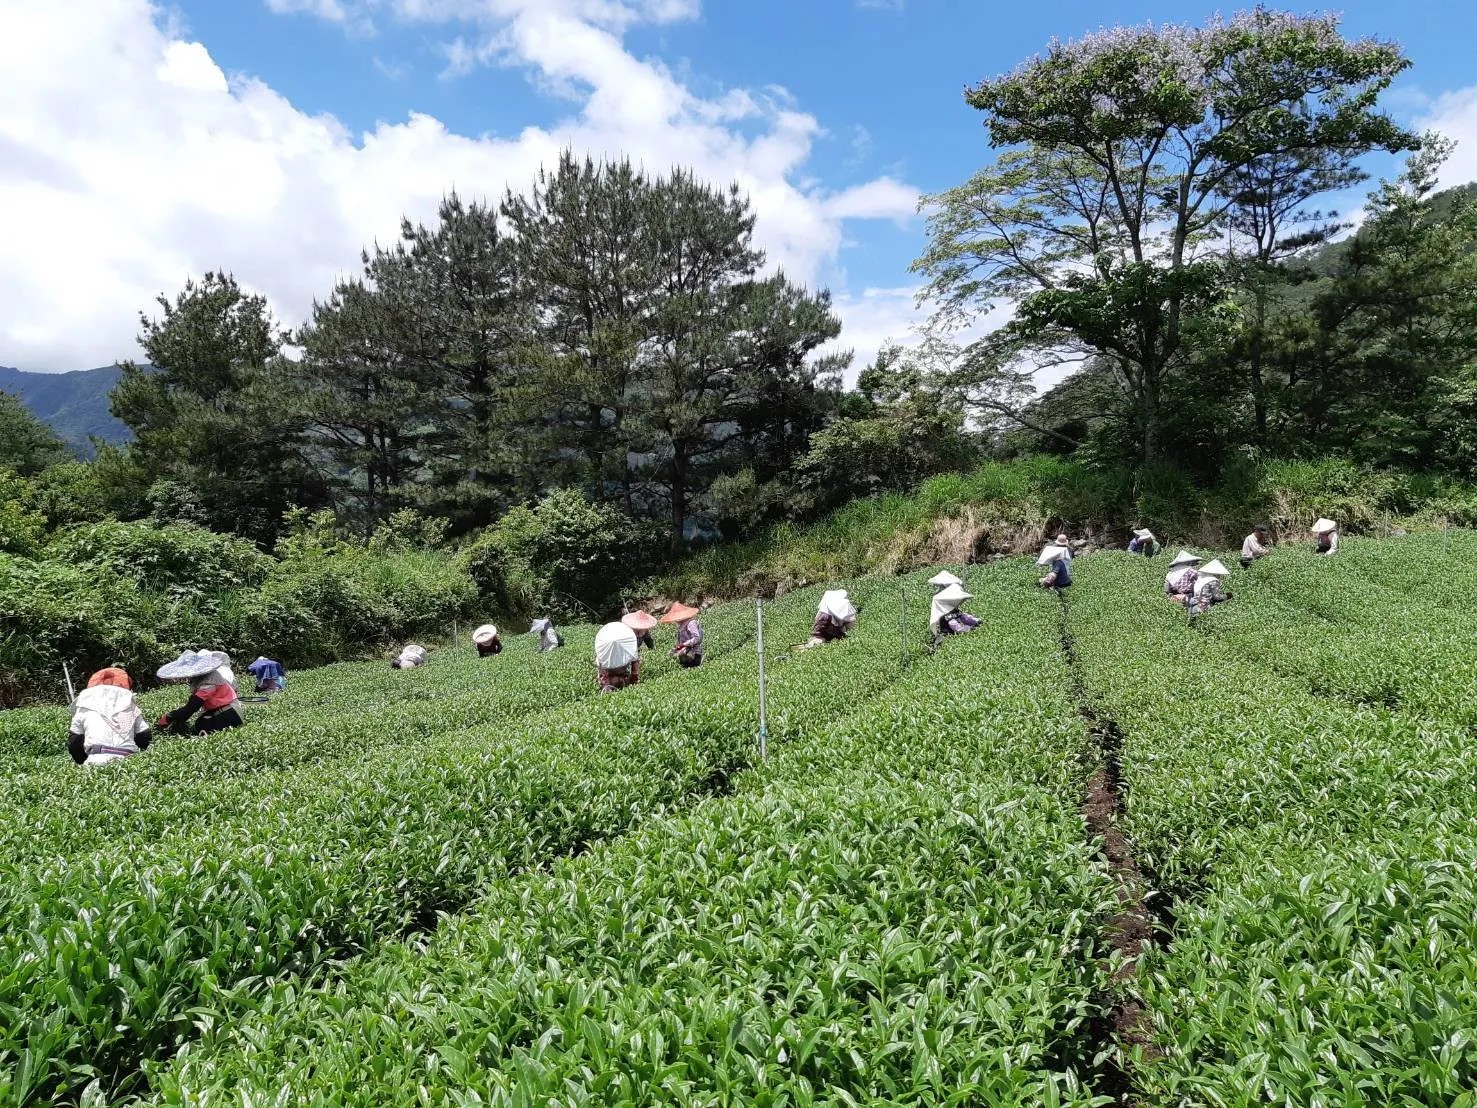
(73, 404)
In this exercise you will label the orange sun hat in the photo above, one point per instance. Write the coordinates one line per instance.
(110, 676)
(680, 613)
(639, 621)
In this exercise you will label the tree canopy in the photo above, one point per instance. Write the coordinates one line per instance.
(1129, 160)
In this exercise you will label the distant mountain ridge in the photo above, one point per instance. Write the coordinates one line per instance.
(74, 405)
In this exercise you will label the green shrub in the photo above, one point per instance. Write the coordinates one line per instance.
(181, 560)
(564, 557)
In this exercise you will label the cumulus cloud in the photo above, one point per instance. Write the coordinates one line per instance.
(129, 161)
(1454, 114)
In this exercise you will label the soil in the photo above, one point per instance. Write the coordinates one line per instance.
(1127, 1026)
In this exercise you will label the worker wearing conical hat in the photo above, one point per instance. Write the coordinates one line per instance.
(643, 623)
(212, 692)
(834, 617)
(1326, 535)
(1209, 587)
(1179, 582)
(487, 641)
(689, 649)
(943, 579)
(548, 638)
(946, 617)
(617, 662)
(106, 722)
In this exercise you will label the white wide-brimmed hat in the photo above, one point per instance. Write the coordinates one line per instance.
(1050, 554)
(484, 634)
(945, 601)
(539, 626)
(943, 579)
(193, 663)
(836, 603)
(1324, 525)
(1185, 558)
(1215, 569)
(615, 646)
(1144, 533)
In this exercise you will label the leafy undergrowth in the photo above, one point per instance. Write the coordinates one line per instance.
(1011, 506)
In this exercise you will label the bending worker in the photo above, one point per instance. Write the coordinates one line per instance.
(1057, 559)
(487, 640)
(1255, 545)
(1327, 533)
(642, 624)
(945, 617)
(689, 650)
(548, 638)
(617, 663)
(1179, 582)
(270, 676)
(410, 657)
(835, 616)
(212, 692)
(1208, 590)
(106, 722)
(1143, 542)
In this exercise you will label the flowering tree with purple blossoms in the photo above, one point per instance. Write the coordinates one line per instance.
(1130, 160)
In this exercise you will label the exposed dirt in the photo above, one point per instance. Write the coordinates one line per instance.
(1127, 1027)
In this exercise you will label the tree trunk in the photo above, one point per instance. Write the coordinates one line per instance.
(679, 496)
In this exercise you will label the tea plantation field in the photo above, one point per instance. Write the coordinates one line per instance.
(479, 883)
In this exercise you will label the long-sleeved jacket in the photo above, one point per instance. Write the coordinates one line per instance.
(106, 726)
(690, 639)
(1180, 582)
(209, 693)
(827, 628)
(1207, 592)
(957, 622)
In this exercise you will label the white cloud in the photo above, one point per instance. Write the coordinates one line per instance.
(324, 9)
(129, 161)
(883, 198)
(875, 318)
(1454, 114)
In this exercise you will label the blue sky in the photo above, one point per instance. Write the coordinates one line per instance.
(276, 137)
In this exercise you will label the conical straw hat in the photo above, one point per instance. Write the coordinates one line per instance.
(615, 646)
(1185, 558)
(944, 578)
(680, 613)
(484, 634)
(639, 621)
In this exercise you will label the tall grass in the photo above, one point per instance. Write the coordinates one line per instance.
(1010, 506)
